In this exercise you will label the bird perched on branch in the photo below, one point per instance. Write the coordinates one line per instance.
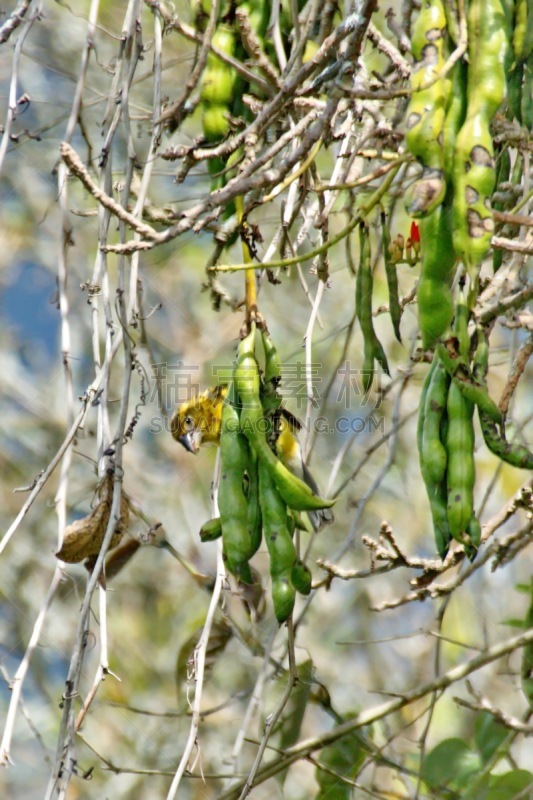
(197, 422)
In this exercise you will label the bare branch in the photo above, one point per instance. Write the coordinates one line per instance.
(308, 746)
(14, 20)
(75, 165)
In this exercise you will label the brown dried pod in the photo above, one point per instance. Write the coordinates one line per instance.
(118, 559)
(83, 538)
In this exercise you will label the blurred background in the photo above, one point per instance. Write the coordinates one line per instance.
(135, 731)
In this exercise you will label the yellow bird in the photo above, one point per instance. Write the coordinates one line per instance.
(197, 422)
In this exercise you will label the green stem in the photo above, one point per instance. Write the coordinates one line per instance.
(287, 262)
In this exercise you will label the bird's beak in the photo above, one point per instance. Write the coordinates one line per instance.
(188, 441)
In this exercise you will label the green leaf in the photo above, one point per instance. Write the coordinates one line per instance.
(527, 656)
(295, 710)
(488, 735)
(510, 785)
(514, 623)
(450, 764)
(344, 758)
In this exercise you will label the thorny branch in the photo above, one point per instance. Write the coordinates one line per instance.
(386, 555)
(481, 703)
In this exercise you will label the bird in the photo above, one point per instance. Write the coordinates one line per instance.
(198, 421)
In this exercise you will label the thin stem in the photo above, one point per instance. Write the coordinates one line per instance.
(368, 717)
(272, 719)
(366, 208)
(250, 289)
(200, 656)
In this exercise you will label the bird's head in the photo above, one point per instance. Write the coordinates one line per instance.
(197, 421)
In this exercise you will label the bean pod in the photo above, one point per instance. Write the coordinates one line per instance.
(435, 301)
(301, 577)
(426, 111)
(211, 530)
(461, 468)
(432, 451)
(237, 543)
(217, 89)
(513, 453)
(474, 175)
(460, 474)
(279, 544)
(295, 493)
(373, 349)
(254, 517)
(395, 309)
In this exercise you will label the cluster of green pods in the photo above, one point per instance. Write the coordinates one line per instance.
(446, 449)
(258, 496)
(455, 386)
(448, 131)
(474, 175)
(221, 87)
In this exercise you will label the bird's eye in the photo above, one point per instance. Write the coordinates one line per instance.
(189, 422)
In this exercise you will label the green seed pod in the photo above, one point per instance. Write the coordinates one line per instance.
(503, 172)
(220, 92)
(254, 520)
(438, 500)
(473, 390)
(433, 455)
(474, 538)
(522, 30)
(279, 544)
(474, 532)
(515, 78)
(422, 404)
(455, 115)
(395, 309)
(426, 110)
(473, 174)
(272, 362)
(481, 358)
(301, 578)
(283, 597)
(270, 396)
(216, 126)
(218, 86)
(211, 530)
(435, 309)
(435, 302)
(474, 181)
(452, 20)
(373, 349)
(460, 474)
(237, 544)
(526, 105)
(460, 327)
(461, 469)
(218, 79)
(515, 454)
(295, 493)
